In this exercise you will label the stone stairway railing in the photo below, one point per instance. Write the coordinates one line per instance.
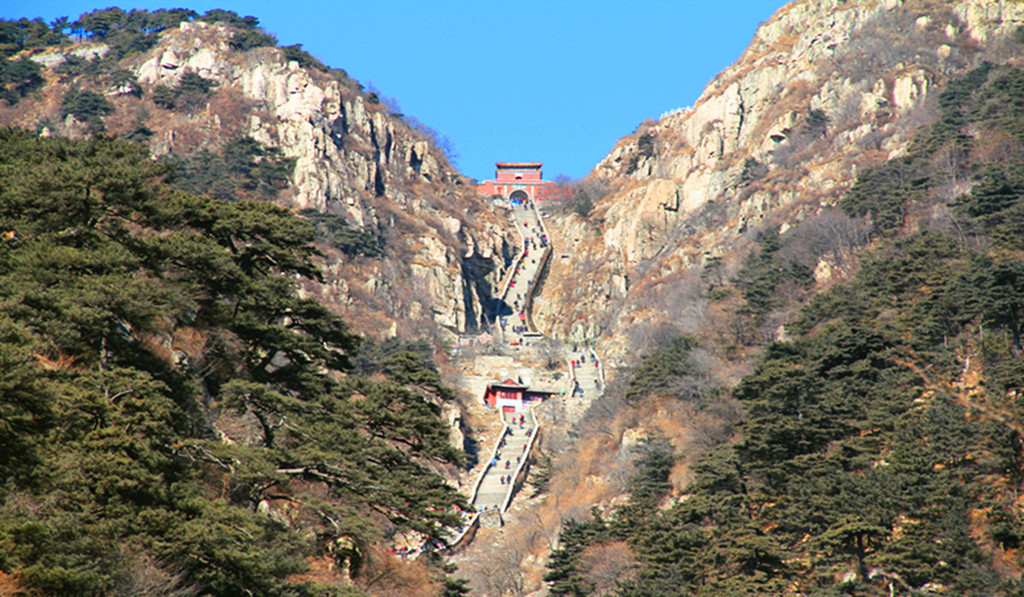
(545, 256)
(516, 474)
(545, 253)
(528, 307)
(507, 282)
(473, 521)
(502, 297)
(466, 532)
(487, 467)
(518, 477)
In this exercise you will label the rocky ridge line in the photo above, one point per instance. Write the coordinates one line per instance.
(824, 90)
(446, 247)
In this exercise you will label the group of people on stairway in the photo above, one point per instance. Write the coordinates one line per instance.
(533, 239)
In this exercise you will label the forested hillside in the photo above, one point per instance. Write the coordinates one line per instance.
(823, 260)
(880, 452)
(174, 418)
(409, 247)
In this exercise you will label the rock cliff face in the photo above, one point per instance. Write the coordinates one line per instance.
(444, 247)
(826, 88)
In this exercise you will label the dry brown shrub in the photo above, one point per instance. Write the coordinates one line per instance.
(58, 362)
(994, 147)
(234, 109)
(9, 585)
(785, 42)
(603, 565)
(322, 570)
(142, 575)
(159, 346)
(123, 120)
(385, 575)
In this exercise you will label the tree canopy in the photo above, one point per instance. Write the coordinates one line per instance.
(173, 411)
(881, 449)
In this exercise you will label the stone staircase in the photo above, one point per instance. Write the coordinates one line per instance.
(507, 468)
(587, 381)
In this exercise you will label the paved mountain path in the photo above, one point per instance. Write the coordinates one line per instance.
(506, 458)
(506, 462)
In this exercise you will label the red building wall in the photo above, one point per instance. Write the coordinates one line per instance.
(521, 176)
(492, 394)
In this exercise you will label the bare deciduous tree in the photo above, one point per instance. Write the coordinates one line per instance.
(605, 564)
(830, 233)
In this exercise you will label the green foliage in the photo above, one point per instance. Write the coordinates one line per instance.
(997, 204)
(230, 17)
(124, 33)
(582, 204)
(645, 144)
(585, 194)
(243, 169)
(76, 66)
(987, 99)
(670, 371)
(752, 170)
(88, 107)
(133, 319)
(761, 273)
(866, 454)
(815, 123)
(335, 231)
(574, 538)
(18, 78)
(651, 484)
(164, 97)
(247, 39)
(846, 462)
(764, 274)
(540, 475)
(405, 362)
(645, 149)
(883, 193)
(22, 34)
(131, 32)
(124, 79)
(190, 94)
(192, 82)
(455, 587)
(304, 58)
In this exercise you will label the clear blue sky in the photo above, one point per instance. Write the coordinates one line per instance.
(557, 81)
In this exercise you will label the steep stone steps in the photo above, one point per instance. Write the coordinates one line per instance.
(505, 470)
(492, 492)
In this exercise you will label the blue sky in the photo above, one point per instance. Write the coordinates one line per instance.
(557, 81)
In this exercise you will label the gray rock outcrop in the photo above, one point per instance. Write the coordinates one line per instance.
(444, 245)
(825, 89)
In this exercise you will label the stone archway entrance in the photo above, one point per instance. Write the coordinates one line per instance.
(519, 196)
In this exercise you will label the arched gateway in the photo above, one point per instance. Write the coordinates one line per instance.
(521, 180)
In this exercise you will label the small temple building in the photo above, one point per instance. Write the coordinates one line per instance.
(512, 397)
(521, 180)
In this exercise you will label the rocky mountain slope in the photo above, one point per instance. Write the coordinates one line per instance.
(721, 221)
(377, 174)
(203, 316)
(825, 89)
(823, 159)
